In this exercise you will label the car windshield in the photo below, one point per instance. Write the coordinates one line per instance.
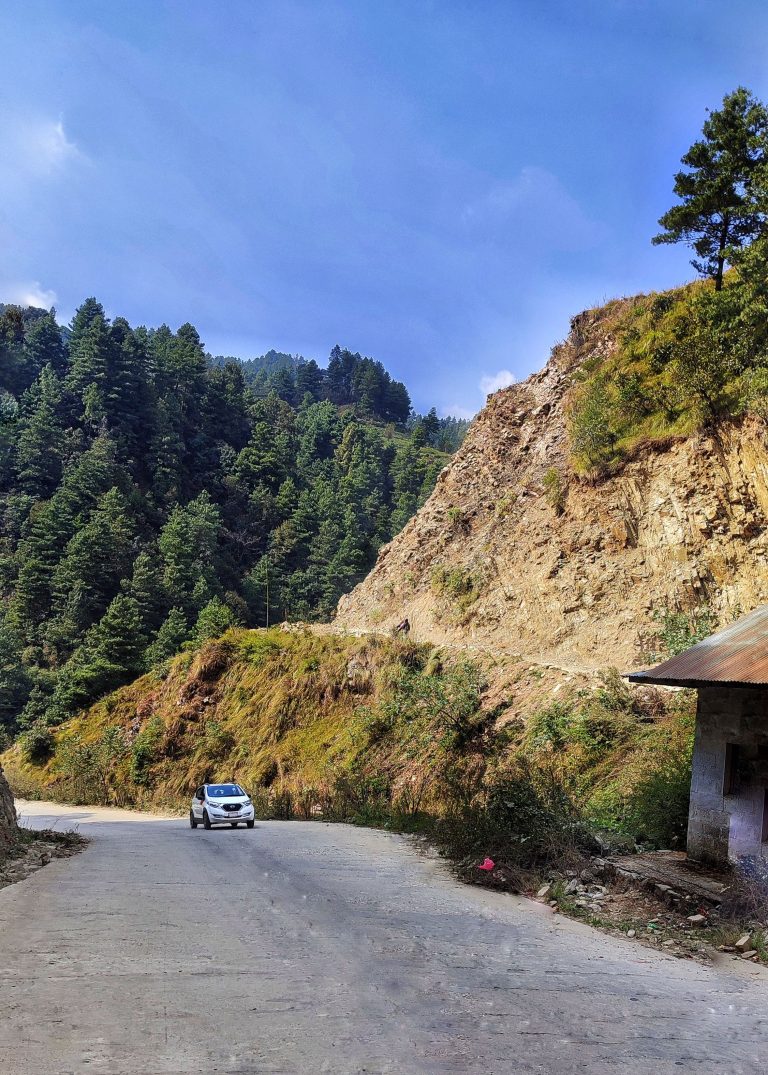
(223, 791)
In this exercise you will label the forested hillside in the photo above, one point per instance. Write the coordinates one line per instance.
(349, 381)
(150, 496)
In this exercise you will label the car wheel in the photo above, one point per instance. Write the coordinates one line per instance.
(233, 824)
(192, 820)
(249, 824)
(206, 820)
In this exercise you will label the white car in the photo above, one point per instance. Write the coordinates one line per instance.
(221, 804)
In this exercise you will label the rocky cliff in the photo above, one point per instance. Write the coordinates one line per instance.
(8, 830)
(516, 553)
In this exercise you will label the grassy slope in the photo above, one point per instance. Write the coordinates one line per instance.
(368, 728)
(638, 390)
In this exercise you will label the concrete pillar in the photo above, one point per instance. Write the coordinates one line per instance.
(728, 822)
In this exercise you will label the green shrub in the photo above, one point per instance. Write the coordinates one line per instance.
(678, 631)
(457, 518)
(37, 743)
(551, 726)
(554, 489)
(653, 811)
(681, 361)
(460, 585)
(527, 823)
(259, 646)
(504, 505)
(145, 751)
(591, 438)
(597, 720)
(218, 741)
(88, 768)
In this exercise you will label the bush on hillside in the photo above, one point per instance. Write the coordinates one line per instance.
(683, 360)
(526, 822)
(37, 743)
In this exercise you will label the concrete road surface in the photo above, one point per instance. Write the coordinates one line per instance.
(303, 947)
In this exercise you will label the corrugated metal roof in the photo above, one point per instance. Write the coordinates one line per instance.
(736, 656)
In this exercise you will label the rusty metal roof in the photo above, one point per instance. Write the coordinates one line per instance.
(736, 656)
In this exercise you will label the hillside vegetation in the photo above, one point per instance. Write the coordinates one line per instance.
(382, 731)
(679, 361)
(149, 496)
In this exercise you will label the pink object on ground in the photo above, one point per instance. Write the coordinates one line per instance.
(488, 864)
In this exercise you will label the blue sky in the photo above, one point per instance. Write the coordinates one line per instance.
(438, 184)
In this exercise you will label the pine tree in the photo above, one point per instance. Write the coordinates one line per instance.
(215, 618)
(16, 372)
(15, 680)
(85, 315)
(169, 639)
(95, 560)
(109, 655)
(137, 477)
(40, 444)
(51, 526)
(187, 548)
(309, 381)
(722, 200)
(43, 346)
(90, 362)
(146, 588)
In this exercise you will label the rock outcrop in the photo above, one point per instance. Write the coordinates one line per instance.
(8, 828)
(514, 552)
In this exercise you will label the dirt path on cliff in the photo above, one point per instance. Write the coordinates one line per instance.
(545, 661)
(304, 947)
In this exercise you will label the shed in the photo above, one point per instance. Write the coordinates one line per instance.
(728, 815)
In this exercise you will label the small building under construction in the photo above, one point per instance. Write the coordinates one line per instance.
(728, 815)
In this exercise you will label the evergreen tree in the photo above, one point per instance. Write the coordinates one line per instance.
(722, 194)
(430, 423)
(16, 371)
(187, 548)
(15, 678)
(40, 445)
(215, 618)
(43, 346)
(169, 639)
(146, 588)
(90, 362)
(140, 482)
(81, 322)
(309, 381)
(94, 562)
(109, 655)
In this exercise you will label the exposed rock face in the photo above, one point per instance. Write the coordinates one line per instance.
(576, 584)
(8, 830)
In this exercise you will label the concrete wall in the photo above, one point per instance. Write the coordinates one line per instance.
(727, 826)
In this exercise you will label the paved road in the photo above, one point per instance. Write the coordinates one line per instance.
(301, 947)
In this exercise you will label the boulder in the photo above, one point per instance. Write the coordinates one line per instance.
(744, 942)
(8, 826)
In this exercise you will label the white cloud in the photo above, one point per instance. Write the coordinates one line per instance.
(49, 146)
(34, 149)
(28, 294)
(532, 210)
(492, 382)
(44, 146)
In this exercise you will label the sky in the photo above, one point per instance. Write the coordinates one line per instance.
(440, 184)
